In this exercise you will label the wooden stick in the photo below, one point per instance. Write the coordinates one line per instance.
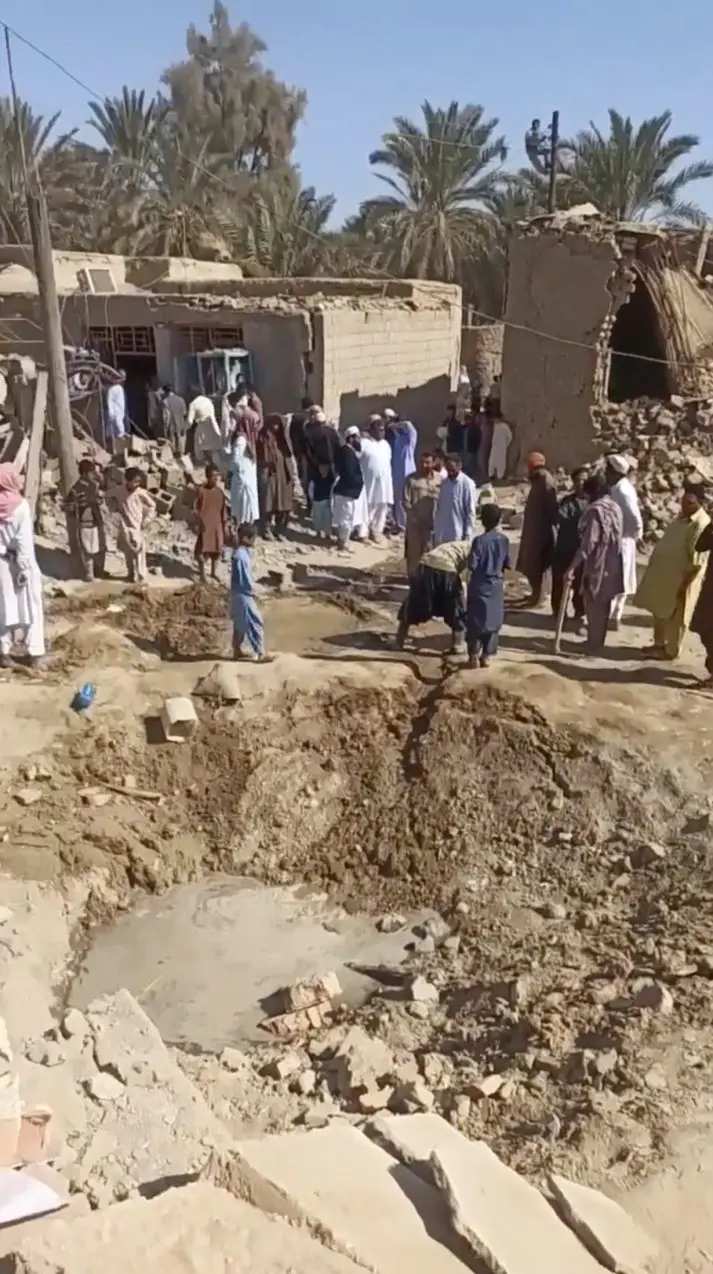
(562, 614)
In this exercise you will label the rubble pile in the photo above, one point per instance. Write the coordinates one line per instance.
(670, 443)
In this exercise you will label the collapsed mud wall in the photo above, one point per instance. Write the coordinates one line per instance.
(558, 306)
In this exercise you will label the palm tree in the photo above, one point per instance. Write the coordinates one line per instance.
(286, 227)
(182, 212)
(632, 173)
(130, 127)
(440, 177)
(51, 159)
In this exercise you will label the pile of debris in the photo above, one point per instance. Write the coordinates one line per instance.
(670, 442)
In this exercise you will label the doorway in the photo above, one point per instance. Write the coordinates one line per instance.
(140, 376)
(634, 345)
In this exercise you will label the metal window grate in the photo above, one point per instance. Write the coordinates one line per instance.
(196, 340)
(111, 341)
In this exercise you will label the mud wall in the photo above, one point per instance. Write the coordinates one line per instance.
(482, 353)
(557, 285)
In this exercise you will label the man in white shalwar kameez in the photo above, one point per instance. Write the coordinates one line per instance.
(375, 457)
(208, 440)
(21, 608)
(457, 505)
(623, 493)
(498, 458)
(360, 525)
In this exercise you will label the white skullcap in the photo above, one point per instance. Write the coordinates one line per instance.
(353, 431)
(620, 464)
(389, 413)
(319, 416)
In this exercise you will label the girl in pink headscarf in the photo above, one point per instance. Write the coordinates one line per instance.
(21, 608)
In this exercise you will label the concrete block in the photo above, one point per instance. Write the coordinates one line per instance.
(506, 1222)
(604, 1227)
(197, 1229)
(357, 1197)
(308, 991)
(178, 720)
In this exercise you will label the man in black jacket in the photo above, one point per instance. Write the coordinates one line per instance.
(349, 485)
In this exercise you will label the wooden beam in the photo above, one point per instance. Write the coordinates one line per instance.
(33, 466)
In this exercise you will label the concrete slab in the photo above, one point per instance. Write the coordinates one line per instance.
(157, 1126)
(604, 1227)
(506, 1222)
(412, 1139)
(357, 1197)
(194, 1230)
(166, 952)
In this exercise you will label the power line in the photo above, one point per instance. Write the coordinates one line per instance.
(376, 270)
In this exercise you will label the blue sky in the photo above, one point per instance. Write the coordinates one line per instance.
(362, 62)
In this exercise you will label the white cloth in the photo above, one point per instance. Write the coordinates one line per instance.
(456, 510)
(116, 411)
(208, 435)
(377, 520)
(498, 460)
(375, 460)
(343, 510)
(624, 494)
(360, 524)
(244, 502)
(21, 606)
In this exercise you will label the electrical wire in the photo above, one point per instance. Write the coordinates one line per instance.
(377, 271)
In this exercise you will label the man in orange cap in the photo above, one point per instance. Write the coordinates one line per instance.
(538, 529)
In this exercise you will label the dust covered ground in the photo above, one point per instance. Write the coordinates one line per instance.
(569, 852)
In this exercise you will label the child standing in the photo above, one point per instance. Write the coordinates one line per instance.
(136, 508)
(489, 559)
(321, 498)
(244, 610)
(211, 508)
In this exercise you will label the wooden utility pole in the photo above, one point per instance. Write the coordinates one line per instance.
(57, 386)
(554, 147)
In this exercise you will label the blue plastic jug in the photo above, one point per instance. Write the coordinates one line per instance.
(84, 698)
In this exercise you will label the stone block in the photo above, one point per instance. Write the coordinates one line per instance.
(198, 1229)
(308, 991)
(506, 1222)
(357, 1197)
(604, 1227)
(179, 720)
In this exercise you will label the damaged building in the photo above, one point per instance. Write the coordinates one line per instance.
(600, 312)
(350, 344)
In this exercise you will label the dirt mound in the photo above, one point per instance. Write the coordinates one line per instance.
(90, 643)
(185, 624)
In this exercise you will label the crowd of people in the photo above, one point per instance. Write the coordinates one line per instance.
(375, 483)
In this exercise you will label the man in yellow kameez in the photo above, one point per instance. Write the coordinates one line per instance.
(674, 576)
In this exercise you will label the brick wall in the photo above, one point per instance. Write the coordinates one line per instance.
(408, 359)
(557, 284)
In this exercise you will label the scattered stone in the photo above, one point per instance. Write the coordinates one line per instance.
(452, 944)
(104, 1087)
(233, 1060)
(423, 992)
(28, 795)
(360, 1063)
(221, 683)
(95, 796)
(293, 1025)
(554, 911)
(305, 1083)
(45, 1053)
(652, 995)
(179, 720)
(309, 991)
(461, 1107)
(391, 923)
(375, 1099)
(604, 1227)
(434, 927)
(645, 855)
(506, 1221)
(655, 1079)
(408, 1098)
(488, 1086)
(419, 1010)
(74, 1023)
(284, 1066)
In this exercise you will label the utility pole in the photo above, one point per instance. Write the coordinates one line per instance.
(58, 389)
(554, 147)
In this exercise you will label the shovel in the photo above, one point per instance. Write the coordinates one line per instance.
(561, 615)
